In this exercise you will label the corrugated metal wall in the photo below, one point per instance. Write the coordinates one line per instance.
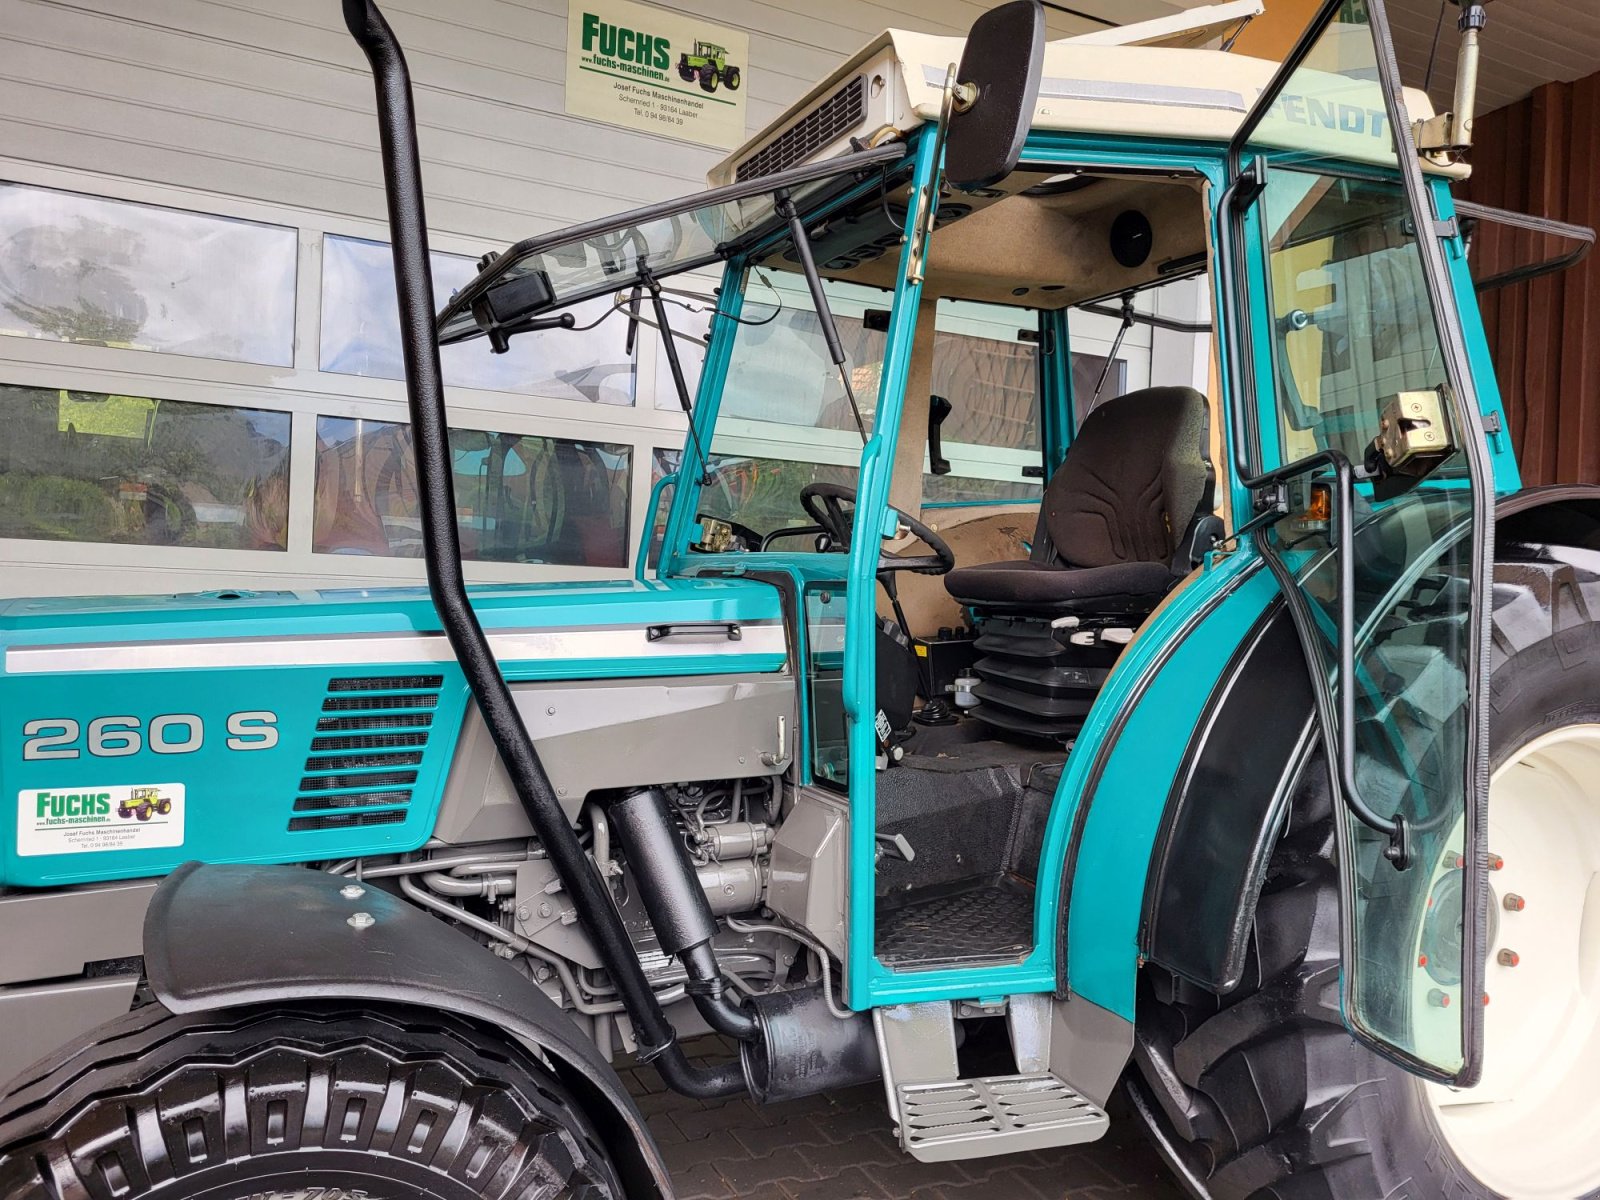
(269, 99)
(1541, 155)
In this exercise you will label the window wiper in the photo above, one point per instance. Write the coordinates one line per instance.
(830, 332)
(669, 343)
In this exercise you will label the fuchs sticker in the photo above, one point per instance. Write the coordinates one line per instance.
(85, 820)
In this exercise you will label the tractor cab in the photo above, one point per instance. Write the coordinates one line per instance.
(995, 711)
(996, 548)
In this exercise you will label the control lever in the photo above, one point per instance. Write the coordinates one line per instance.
(895, 846)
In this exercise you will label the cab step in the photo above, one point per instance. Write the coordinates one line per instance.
(941, 1116)
(999, 1114)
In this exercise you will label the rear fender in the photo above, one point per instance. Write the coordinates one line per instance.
(1228, 803)
(1565, 514)
(223, 936)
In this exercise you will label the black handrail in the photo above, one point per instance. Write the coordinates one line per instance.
(413, 277)
(1230, 247)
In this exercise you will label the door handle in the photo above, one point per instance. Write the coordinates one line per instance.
(656, 633)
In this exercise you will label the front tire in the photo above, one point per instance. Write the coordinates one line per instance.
(1262, 1093)
(296, 1102)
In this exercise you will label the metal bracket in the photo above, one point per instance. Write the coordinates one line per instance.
(1412, 427)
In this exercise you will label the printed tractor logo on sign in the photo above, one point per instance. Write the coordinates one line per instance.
(661, 72)
(708, 66)
(144, 803)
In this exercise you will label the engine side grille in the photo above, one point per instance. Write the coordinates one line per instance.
(365, 760)
(827, 122)
(346, 820)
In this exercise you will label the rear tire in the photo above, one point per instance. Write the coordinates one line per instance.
(1262, 1093)
(331, 1102)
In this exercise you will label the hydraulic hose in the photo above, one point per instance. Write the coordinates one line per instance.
(402, 173)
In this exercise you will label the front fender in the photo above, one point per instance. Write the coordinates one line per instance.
(222, 936)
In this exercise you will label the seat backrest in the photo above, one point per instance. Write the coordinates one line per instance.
(1131, 482)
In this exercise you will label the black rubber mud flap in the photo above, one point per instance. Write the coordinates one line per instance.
(219, 937)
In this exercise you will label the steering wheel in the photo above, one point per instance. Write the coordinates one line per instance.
(824, 503)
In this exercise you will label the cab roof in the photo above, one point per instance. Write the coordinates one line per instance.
(1143, 80)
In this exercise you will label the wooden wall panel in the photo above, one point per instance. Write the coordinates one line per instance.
(1541, 155)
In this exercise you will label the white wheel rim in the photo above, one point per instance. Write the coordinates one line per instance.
(1531, 1129)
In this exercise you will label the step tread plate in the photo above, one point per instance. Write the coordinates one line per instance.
(999, 1114)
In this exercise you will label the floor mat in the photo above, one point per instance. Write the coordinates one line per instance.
(983, 923)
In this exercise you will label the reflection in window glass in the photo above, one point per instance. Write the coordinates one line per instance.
(762, 494)
(1087, 371)
(1354, 323)
(825, 623)
(93, 271)
(779, 370)
(958, 489)
(990, 377)
(91, 467)
(519, 497)
(361, 333)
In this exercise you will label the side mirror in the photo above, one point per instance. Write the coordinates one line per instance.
(997, 85)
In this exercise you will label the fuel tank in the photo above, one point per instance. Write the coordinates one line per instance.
(138, 733)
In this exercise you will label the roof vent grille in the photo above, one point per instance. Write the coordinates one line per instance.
(824, 124)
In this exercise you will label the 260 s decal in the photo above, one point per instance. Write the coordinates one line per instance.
(120, 736)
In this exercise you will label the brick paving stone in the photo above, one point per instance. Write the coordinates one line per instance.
(849, 1184)
(907, 1175)
(839, 1146)
(760, 1176)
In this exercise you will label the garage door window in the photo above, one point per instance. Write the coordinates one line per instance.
(519, 498)
(92, 467)
(92, 271)
(361, 333)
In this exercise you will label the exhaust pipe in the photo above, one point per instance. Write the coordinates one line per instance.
(413, 277)
(803, 1048)
(677, 906)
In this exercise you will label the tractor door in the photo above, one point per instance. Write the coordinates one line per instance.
(1371, 476)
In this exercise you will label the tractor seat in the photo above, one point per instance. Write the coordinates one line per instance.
(1116, 517)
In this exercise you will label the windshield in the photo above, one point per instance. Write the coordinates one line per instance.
(661, 240)
(783, 420)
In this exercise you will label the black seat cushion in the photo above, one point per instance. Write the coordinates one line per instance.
(1040, 585)
(1114, 512)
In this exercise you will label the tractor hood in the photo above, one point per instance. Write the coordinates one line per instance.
(307, 726)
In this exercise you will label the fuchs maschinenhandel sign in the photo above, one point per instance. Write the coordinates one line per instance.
(662, 72)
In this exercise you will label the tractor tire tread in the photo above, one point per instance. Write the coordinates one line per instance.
(155, 1097)
(1262, 1094)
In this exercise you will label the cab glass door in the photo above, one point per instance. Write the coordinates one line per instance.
(1369, 450)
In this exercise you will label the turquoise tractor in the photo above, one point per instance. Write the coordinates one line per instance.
(1248, 787)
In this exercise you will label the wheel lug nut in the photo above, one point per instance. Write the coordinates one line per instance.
(1508, 958)
(1514, 902)
(1438, 998)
